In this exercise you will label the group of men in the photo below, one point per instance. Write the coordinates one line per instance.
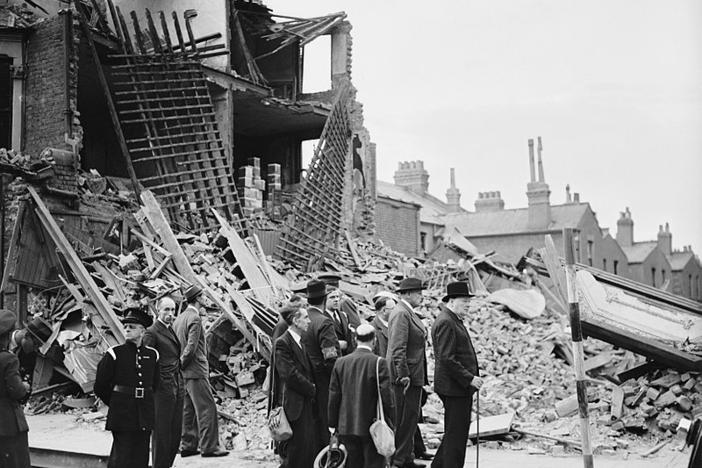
(331, 369)
(157, 387)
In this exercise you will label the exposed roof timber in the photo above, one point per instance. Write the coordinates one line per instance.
(236, 83)
(302, 30)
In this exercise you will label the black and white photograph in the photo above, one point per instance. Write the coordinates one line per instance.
(336, 234)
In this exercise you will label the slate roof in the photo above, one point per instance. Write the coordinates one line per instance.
(639, 251)
(678, 260)
(432, 209)
(495, 223)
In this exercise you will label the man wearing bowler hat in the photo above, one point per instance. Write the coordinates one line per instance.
(407, 361)
(455, 374)
(125, 380)
(323, 348)
(200, 426)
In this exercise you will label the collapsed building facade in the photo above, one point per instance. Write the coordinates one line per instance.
(196, 107)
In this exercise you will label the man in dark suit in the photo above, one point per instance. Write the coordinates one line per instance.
(407, 361)
(353, 398)
(344, 332)
(200, 426)
(455, 374)
(322, 346)
(383, 304)
(346, 305)
(294, 378)
(125, 380)
(168, 398)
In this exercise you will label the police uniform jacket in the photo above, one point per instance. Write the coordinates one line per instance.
(12, 390)
(126, 378)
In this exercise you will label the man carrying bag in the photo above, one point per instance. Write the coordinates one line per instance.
(358, 381)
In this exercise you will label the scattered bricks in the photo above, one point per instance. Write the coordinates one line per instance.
(696, 412)
(689, 385)
(665, 400)
(684, 403)
(550, 415)
(618, 426)
(652, 394)
(667, 381)
(567, 407)
(698, 387)
(685, 377)
(629, 390)
(635, 424)
(676, 389)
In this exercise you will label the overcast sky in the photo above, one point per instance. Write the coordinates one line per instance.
(613, 87)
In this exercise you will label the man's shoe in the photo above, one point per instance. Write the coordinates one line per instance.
(188, 453)
(413, 465)
(216, 453)
(425, 456)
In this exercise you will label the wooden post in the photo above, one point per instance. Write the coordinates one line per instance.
(577, 336)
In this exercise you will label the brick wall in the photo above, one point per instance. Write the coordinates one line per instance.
(46, 100)
(397, 225)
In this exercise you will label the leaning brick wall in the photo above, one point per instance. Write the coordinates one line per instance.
(397, 225)
(51, 105)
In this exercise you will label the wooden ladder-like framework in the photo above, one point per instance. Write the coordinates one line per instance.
(168, 124)
(315, 225)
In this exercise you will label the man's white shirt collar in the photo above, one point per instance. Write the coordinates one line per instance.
(295, 336)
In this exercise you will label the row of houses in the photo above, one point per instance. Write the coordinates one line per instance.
(412, 221)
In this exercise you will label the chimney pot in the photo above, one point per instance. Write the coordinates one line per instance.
(576, 197)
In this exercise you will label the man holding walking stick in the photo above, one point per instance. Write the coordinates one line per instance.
(455, 374)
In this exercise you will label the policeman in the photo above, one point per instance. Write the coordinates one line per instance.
(126, 378)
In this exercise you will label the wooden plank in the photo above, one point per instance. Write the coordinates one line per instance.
(110, 104)
(247, 261)
(637, 371)
(555, 270)
(157, 272)
(617, 403)
(597, 361)
(492, 425)
(80, 273)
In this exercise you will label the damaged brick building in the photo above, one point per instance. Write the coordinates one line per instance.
(200, 103)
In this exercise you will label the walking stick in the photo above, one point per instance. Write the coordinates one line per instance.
(477, 428)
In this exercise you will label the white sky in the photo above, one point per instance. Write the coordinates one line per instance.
(613, 87)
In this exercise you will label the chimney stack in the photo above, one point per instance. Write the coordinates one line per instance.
(413, 176)
(665, 239)
(538, 193)
(453, 195)
(625, 229)
(576, 197)
(489, 201)
(532, 170)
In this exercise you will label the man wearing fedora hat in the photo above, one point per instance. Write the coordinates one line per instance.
(323, 348)
(14, 447)
(407, 361)
(25, 342)
(455, 374)
(125, 380)
(200, 425)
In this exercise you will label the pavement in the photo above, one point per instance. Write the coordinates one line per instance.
(65, 432)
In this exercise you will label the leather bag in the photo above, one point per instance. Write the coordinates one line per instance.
(278, 425)
(383, 437)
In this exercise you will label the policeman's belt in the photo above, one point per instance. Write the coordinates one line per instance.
(136, 392)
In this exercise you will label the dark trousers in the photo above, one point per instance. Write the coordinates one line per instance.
(361, 452)
(406, 417)
(321, 382)
(199, 417)
(130, 449)
(168, 404)
(14, 451)
(302, 448)
(452, 451)
(419, 447)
